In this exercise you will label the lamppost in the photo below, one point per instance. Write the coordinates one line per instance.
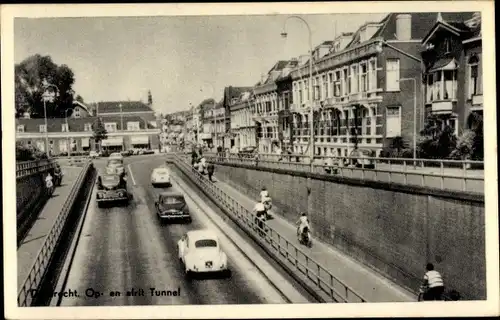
(67, 128)
(45, 96)
(311, 111)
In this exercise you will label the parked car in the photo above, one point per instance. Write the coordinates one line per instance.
(148, 151)
(111, 188)
(126, 153)
(171, 205)
(362, 160)
(200, 252)
(160, 177)
(116, 155)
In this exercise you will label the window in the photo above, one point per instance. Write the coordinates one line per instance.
(430, 87)
(353, 79)
(317, 89)
(392, 74)
(393, 122)
(447, 45)
(87, 127)
(345, 82)
(76, 113)
(363, 72)
(473, 65)
(64, 127)
(452, 122)
(324, 84)
(331, 86)
(372, 69)
(337, 87)
(110, 126)
(42, 128)
(133, 126)
(20, 128)
(449, 84)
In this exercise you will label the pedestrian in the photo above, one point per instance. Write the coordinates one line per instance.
(433, 281)
(210, 171)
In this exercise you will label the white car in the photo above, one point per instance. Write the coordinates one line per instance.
(200, 252)
(160, 176)
(116, 155)
(94, 154)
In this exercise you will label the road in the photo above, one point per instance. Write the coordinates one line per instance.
(125, 248)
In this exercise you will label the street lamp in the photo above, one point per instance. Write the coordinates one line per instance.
(67, 128)
(311, 111)
(45, 96)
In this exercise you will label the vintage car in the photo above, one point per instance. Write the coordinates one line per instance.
(116, 155)
(111, 188)
(115, 165)
(361, 158)
(200, 252)
(160, 177)
(171, 205)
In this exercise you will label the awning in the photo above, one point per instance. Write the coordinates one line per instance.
(85, 142)
(444, 64)
(112, 141)
(139, 140)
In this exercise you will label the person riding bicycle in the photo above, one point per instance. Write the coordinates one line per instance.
(264, 194)
(48, 180)
(433, 284)
(260, 213)
(302, 222)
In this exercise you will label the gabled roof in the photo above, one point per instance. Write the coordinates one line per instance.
(82, 105)
(455, 24)
(233, 92)
(127, 106)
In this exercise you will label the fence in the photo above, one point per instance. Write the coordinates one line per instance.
(440, 174)
(300, 261)
(27, 168)
(45, 254)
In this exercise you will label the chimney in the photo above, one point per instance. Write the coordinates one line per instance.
(303, 59)
(262, 78)
(403, 26)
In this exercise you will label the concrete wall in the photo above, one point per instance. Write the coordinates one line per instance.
(395, 230)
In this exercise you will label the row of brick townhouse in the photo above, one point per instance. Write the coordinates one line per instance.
(129, 124)
(368, 87)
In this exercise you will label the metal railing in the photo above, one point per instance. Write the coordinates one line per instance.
(454, 175)
(28, 168)
(39, 268)
(277, 243)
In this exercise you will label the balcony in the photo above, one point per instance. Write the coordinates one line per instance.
(445, 106)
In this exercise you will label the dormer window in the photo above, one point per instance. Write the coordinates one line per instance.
(447, 45)
(87, 127)
(64, 127)
(76, 113)
(42, 128)
(20, 128)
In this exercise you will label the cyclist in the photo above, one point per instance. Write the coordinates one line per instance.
(260, 214)
(302, 222)
(433, 281)
(264, 194)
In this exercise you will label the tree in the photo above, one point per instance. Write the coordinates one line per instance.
(79, 98)
(100, 132)
(30, 77)
(438, 139)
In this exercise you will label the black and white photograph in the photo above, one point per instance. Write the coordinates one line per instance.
(249, 160)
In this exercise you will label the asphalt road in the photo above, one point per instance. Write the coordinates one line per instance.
(125, 248)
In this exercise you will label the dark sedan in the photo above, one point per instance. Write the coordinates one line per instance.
(171, 205)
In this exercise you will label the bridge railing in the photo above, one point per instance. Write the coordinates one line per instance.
(277, 243)
(45, 254)
(28, 168)
(441, 174)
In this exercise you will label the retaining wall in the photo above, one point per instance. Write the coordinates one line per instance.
(394, 229)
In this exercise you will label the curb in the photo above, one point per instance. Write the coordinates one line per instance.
(64, 275)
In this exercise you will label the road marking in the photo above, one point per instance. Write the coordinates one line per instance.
(131, 174)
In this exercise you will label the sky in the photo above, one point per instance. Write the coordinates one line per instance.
(181, 59)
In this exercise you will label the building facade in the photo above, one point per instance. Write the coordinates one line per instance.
(129, 124)
(267, 107)
(242, 124)
(363, 88)
(452, 70)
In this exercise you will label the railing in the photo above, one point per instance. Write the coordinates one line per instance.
(28, 168)
(39, 268)
(300, 261)
(454, 175)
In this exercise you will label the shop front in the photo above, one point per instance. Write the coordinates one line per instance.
(140, 142)
(112, 144)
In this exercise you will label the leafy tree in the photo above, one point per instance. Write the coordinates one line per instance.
(79, 99)
(30, 77)
(100, 132)
(438, 139)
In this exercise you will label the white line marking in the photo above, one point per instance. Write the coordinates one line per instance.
(131, 174)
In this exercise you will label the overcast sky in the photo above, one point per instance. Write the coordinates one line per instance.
(178, 58)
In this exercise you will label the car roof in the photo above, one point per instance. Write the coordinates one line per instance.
(201, 234)
(171, 194)
(161, 168)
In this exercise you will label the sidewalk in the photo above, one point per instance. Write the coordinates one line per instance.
(363, 280)
(28, 249)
